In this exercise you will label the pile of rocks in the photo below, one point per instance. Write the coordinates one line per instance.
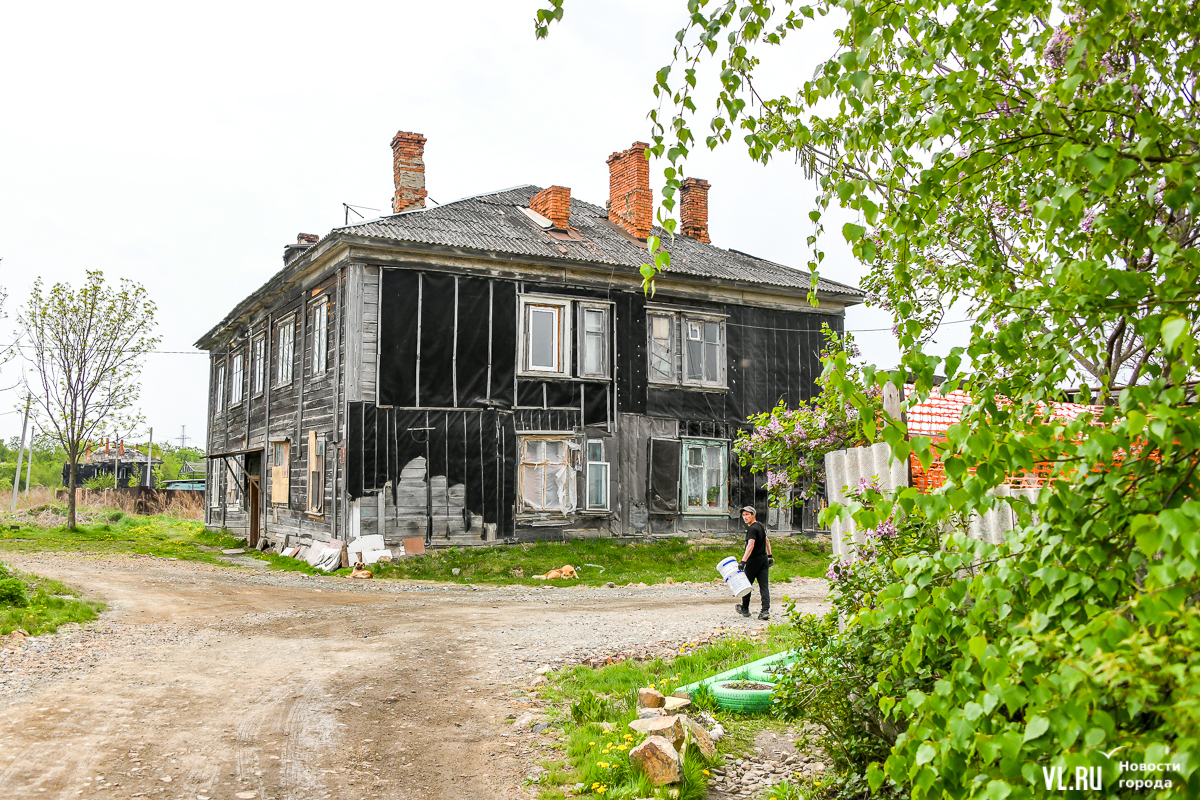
(668, 733)
(751, 774)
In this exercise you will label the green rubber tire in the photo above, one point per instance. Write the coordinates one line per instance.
(748, 701)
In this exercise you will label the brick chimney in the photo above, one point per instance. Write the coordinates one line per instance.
(553, 203)
(307, 238)
(693, 209)
(408, 165)
(630, 203)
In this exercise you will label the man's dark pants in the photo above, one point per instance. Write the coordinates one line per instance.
(757, 571)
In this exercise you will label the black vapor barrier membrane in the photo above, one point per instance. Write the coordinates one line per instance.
(446, 341)
(772, 356)
(472, 447)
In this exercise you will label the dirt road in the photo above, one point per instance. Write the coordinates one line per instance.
(225, 682)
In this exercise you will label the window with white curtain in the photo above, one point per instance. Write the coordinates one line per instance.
(705, 469)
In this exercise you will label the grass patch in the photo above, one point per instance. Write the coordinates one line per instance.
(39, 605)
(621, 562)
(587, 701)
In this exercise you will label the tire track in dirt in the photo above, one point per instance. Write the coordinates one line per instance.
(309, 733)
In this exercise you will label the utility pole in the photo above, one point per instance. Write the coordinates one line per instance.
(183, 437)
(20, 452)
(150, 461)
(29, 464)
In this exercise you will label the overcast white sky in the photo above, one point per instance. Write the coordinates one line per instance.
(182, 146)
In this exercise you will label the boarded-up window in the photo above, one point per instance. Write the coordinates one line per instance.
(279, 473)
(546, 479)
(664, 476)
(316, 473)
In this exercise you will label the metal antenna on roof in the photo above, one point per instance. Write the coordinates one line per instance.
(348, 208)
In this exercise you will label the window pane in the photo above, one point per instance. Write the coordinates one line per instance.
(543, 329)
(712, 333)
(694, 356)
(695, 456)
(593, 353)
(593, 320)
(695, 487)
(712, 363)
(662, 361)
(598, 486)
(534, 451)
(555, 452)
(595, 451)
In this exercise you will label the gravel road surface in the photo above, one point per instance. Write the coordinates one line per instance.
(207, 682)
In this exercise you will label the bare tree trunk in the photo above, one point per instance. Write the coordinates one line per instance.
(71, 495)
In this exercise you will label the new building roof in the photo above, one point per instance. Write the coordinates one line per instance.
(495, 223)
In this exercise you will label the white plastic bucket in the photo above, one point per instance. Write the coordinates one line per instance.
(734, 578)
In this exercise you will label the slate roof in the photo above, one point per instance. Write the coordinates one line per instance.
(494, 223)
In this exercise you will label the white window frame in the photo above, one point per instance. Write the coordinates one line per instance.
(285, 350)
(258, 351)
(237, 378)
(672, 346)
(704, 445)
(605, 309)
(220, 405)
(562, 343)
(320, 342)
(685, 320)
(603, 465)
(530, 464)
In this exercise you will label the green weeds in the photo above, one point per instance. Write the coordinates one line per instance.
(39, 605)
(595, 707)
(601, 560)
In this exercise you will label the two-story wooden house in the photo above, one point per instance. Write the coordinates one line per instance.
(490, 370)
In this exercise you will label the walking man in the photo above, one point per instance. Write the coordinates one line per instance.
(755, 563)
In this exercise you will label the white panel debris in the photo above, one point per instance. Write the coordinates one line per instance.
(843, 471)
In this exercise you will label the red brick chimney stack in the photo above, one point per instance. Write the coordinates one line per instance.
(408, 164)
(553, 203)
(307, 238)
(630, 203)
(693, 209)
